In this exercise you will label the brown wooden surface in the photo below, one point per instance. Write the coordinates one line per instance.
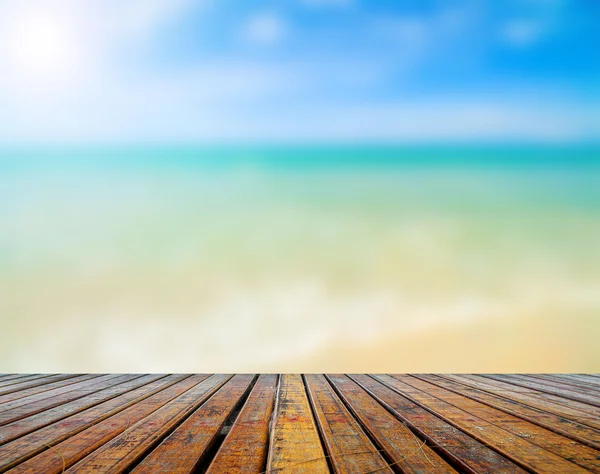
(183, 423)
(295, 444)
(349, 448)
(245, 447)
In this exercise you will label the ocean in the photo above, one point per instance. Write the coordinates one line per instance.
(363, 258)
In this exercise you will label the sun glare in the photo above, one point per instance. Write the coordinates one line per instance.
(43, 48)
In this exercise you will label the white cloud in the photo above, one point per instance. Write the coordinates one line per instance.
(232, 98)
(265, 28)
(250, 103)
(466, 119)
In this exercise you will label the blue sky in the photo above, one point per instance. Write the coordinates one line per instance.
(299, 70)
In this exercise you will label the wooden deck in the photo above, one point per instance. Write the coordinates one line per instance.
(299, 423)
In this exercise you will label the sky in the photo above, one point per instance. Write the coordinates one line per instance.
(299, 70)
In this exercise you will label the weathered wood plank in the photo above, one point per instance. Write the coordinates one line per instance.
(70, 451)
(462, 450)
(517, 449)
(580, 378)
(295, 443)
(19, 428)
(182, 450)
(562, 419)
(123, 451)
(526, 396)
(34, 442)
(316, 423)
(580, 454)
(401, 445)
(23, 410)
(572, 384)
(580, 397)
(18, 378)
(553, 384)
(348, 447)
(34, 382)
(11, 400)
(244, 450)
(9, 377)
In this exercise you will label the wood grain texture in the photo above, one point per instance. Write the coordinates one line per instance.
(519, 450)
(43, 391)
(20, 427)
(25, 446)
(559, 381)
(17, 378)
(33, 382)
(349, 448)
(465, 452)
(544, 417)
(271, 423)
(578, 453)
(184, 448)
(8, 377)
(405, 450)
(122, 452)
(564, 392)
(28, 406)
(244, 450)
(295, 442)
(75, 448)
(529, 397)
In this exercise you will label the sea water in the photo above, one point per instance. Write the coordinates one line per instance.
(289, 258)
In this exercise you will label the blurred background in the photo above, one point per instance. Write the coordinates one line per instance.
(299, 185)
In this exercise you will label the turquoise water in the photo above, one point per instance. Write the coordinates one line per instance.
(300, 258)
(302, 157)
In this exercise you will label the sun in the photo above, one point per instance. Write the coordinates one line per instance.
(42, 47)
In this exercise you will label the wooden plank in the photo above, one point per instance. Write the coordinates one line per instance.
(468, 454)
(400, 444)
(63, 455)
(585, 414)
(244, 450)
(589, 377)
(521, 451)
(183, 450)
(348, 447)
(18, 378)
(590, 400)
(11, 400)
(568, 427)
(23, 410)
(295, 444)
(11, 453)
(34, 382)
(579, 377)
(123, 451)
(570, 384)
(585, 419)
(553, 384)
(9, 377)
(550, 403)
(580, 454)
(4, 377)
(357, 423)
(27, 425)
